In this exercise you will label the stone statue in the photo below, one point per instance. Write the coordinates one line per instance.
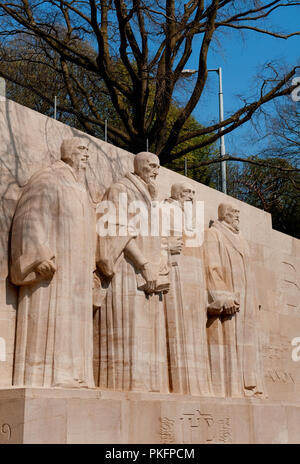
(132, 328)
(184, 306)
(232, 309)
(52, 259)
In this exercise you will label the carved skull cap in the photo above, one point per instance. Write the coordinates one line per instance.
(177, 188)
(69, 145)
(223, 209)
(142, 159)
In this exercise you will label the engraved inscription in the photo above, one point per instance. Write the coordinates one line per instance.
(278, 351)
(5, 430)
(167, 434)
(280, 376)
(225, 430)
(291, 284)
(203, 427)
(197, 427)
(277, 356)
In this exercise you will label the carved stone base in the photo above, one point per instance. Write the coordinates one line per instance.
(35, 415)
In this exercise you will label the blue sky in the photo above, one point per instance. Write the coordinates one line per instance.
(241, 58)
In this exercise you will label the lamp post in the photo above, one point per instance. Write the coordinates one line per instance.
(187, 72)
(2, 88)
(222, 142)
(55, 106)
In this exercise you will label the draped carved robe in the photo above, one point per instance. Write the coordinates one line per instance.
(132, 342)
(185, 320)
(233, 340)
(54, 340)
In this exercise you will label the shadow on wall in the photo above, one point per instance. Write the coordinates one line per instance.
(31, 141)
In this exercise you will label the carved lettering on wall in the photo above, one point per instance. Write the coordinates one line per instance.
(280, 376)
(225, 430)
(5, 430)
(167, 433)
(196, 426)
(277, 357)
(279, 351)
(291, 284)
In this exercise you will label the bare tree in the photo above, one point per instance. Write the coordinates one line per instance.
(135, 52)
(283, 131)
(271, 189)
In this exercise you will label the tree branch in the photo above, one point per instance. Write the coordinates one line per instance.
(242, 160)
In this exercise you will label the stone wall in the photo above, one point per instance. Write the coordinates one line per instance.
(31, 141)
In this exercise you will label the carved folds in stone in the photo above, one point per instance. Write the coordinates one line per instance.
(172, 319)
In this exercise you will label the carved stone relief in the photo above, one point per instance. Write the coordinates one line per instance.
(196, 425)
(5, 432)
(185, 310)
(232, 309)
(134, 270)
(152, 328)
(52, 259)
(290, 283)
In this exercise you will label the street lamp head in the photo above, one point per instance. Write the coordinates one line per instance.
(188, 72)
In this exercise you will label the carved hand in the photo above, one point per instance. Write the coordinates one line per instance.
(225, 306)
(213, 311)
(175, 245)
(150, 277)
(231, 306)
(46, 269)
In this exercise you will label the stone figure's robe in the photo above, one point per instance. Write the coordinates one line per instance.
(132, 354)
(185, 321)
(234, 348)
(54, 340)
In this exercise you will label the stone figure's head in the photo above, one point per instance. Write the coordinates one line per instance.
(146, 166)
(229, 214)
(182, 191)
(74, 152)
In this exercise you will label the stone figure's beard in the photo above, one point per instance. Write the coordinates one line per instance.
(80, 173)
(236, 225)
(183, 201)
(233, 225)
(150, 181)
(148, 178)
(152, 188)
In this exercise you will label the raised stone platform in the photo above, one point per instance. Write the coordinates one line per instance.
(43, 416)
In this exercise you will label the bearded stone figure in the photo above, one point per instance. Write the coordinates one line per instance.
(185, 303)
(52, 260)
(232, 311)
(132, 351)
